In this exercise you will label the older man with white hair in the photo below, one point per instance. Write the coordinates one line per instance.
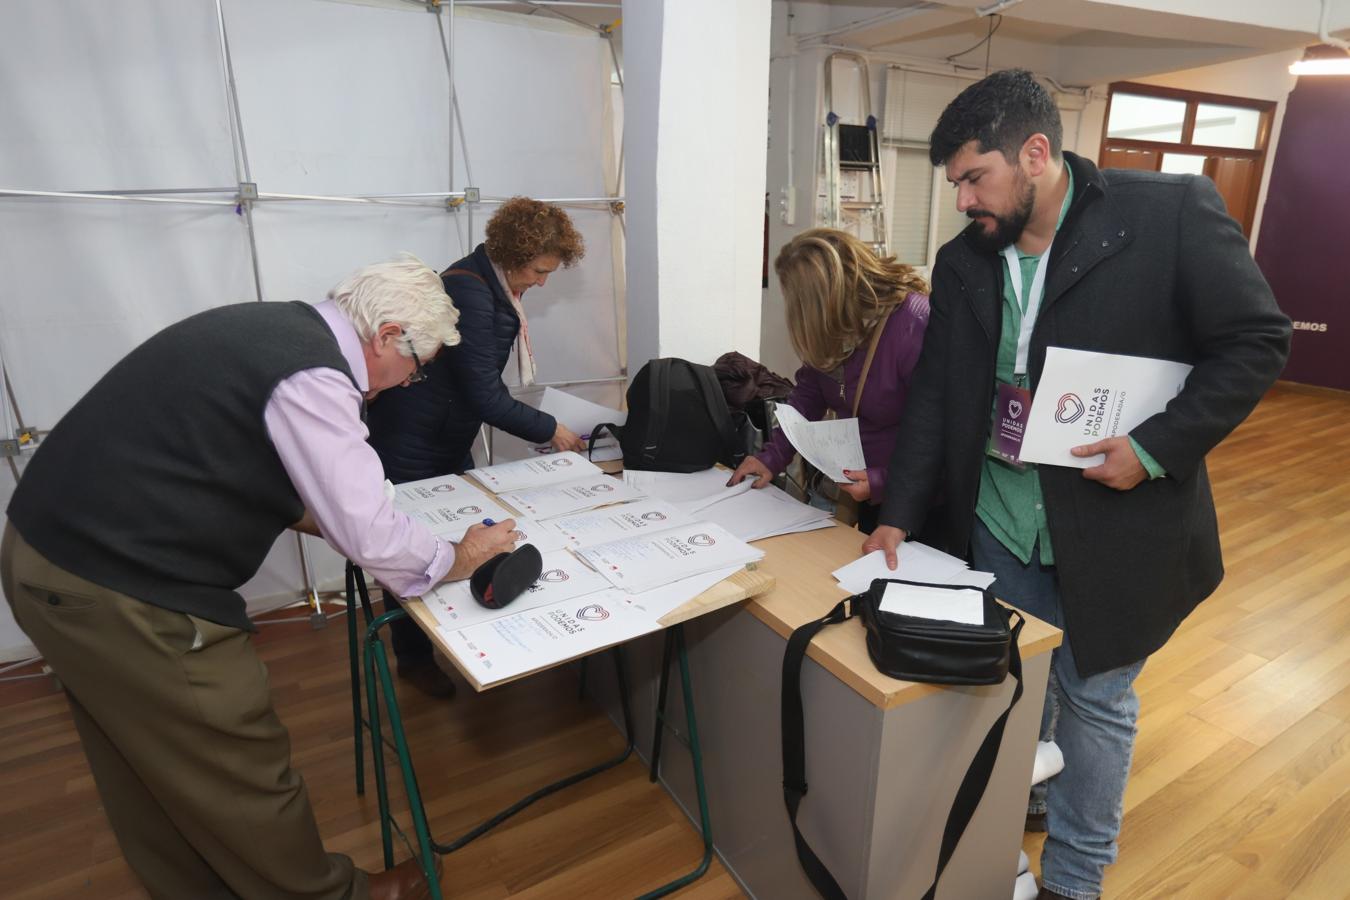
(153, 500)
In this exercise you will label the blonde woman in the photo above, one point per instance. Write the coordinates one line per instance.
(857, 322)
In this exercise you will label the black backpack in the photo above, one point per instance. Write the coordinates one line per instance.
(678, 420)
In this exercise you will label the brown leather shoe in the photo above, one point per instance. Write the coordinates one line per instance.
(403, 882)
(428, 678)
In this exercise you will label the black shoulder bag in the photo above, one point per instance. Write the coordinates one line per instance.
(912, 649)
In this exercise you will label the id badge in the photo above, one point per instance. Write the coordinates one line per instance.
(1011, 409)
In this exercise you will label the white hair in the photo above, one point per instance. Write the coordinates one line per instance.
(404, 291)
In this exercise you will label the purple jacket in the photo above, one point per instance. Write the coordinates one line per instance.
(883, 397)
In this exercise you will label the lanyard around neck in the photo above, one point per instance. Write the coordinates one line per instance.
(1033, 305)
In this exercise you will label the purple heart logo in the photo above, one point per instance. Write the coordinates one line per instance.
(1015, 408)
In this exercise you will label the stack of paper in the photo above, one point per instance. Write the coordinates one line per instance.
(451, 520)
(752, 515)
(678, 487)
(524, 641)
(572, 496)
(649, 561)
(441, 490)
(612, 523)
(918, 562)
(530, 473)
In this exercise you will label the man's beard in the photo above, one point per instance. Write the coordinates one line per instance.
(1007, 229)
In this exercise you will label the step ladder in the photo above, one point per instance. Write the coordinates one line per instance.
(854, 150)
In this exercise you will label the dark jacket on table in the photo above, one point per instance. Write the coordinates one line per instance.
(1145, 264)
(428, 429)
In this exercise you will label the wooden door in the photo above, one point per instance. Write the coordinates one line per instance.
(1238, 180)
(1131, 158)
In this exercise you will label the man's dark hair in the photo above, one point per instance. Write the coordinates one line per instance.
(1000, 113)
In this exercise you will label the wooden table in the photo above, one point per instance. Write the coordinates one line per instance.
(884, 757)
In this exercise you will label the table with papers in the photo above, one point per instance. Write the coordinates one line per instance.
(602, 542)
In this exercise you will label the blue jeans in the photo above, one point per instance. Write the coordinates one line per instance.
(1091, 719)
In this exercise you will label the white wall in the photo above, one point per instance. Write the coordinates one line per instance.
(697, 82)
(335, 98)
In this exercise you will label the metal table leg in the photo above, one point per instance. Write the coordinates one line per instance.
(377, 672)
(675, 643)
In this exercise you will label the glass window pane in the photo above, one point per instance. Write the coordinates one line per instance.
(1226, 126)
(1183, 164)
(1141, 118)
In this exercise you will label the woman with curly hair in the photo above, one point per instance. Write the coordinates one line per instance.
(857, 322)
(429, 428)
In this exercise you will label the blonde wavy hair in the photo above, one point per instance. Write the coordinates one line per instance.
(835, 289)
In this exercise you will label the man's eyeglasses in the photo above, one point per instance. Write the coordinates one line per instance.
(419, 373)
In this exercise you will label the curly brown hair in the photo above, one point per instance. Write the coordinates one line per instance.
(523, 229)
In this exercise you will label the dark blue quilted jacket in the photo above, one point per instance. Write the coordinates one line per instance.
(428, 428)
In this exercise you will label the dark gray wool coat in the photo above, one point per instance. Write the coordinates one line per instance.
(1145, 264)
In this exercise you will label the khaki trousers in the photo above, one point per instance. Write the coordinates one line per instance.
(175, 715)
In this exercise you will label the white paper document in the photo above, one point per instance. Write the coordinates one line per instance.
(760, 513)
(1083, 397)
(448, 490)
(544, 537)
(581, 417)
(726, 493)
(612, 523)
(564, 578)
(917, 562)
(669, 597)
(642, 563)
(965, 605)
(678, 487)
(569, 497)
(528, 473)
(451, 520)
(832, 445)
(528, 640)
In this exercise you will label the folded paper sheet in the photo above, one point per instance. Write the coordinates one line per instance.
(1084, 397)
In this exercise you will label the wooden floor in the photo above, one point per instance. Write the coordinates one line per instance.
(1241, 784)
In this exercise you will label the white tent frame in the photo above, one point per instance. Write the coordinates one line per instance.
(245, 194)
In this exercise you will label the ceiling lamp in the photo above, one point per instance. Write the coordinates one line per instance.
(1322, 59)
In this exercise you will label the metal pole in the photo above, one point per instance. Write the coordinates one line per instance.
(85, 195)
(241, 167)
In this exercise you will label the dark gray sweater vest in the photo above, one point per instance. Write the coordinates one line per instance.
(161, 482)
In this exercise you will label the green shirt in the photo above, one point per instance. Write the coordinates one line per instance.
(1010, 502)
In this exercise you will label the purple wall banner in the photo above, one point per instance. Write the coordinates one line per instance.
(1304, 245)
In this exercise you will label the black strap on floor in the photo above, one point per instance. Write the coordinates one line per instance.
(968, 795)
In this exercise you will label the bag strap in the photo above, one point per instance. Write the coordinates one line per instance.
(794, 744)
(968, 795)
(470, 272)
(658, 408)
(871, 352)
(599, 431)
(711, 389)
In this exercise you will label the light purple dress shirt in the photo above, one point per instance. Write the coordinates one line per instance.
(314, 420)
